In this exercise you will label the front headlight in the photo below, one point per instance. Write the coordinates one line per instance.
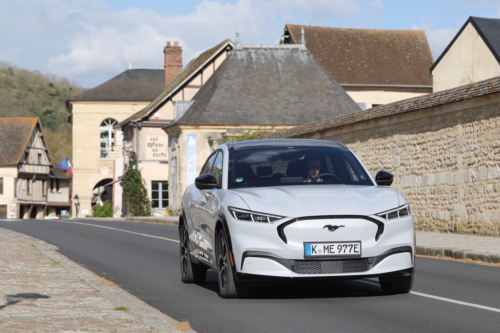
(249, 216)
(396, 213)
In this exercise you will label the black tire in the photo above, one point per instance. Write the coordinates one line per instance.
(190, 272)
(228, 287)
(397, 285)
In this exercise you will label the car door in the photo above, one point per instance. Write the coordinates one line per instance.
(197, 206)
(210, 208)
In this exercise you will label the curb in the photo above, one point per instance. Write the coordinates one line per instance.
(458, 253)
(148, 315)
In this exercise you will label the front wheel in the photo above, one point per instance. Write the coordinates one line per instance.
(190, 272)
(397, 285)
(228, 287)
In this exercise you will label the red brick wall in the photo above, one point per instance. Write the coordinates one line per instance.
(173, 61)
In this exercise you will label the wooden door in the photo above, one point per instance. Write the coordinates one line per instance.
(3, 211)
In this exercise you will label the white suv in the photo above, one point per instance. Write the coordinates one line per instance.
(302, 209)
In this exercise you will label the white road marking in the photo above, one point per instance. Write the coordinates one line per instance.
(10, 220)
(130, 232)
(444, 299)
(456, 302)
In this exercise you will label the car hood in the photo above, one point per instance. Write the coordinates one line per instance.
(309, 200)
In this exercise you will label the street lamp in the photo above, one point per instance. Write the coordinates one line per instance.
(77, 204)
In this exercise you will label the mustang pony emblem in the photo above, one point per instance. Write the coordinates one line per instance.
(332, 228)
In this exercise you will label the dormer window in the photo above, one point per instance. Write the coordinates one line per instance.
(107, 136)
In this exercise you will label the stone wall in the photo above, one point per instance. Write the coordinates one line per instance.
(445, 159)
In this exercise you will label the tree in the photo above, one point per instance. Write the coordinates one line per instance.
(135, 193)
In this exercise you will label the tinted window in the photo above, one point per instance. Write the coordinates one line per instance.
(208, 164)
(295, 166)
(217, 168)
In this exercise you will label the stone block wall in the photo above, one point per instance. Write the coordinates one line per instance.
(446, 162)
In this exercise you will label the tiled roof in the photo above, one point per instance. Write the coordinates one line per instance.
(14, 137)
(458, 94)
(193, 66)
(488, 29)
(131, 85)
(366, 56)
(268, 84)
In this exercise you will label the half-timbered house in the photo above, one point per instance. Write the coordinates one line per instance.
(25, 166)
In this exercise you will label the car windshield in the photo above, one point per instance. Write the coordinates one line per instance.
(276, 166)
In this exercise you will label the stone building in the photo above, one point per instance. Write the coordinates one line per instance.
(373, 66)
(443, 149)
(97, 137)
(25, 166)
(473, 55)
(144, 128)
(271, 86)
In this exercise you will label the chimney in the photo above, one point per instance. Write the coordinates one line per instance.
(173, 61)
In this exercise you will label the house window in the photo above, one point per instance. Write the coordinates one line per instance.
(28, 186)
(1, 185)
(57, 185)
(159, 194)
(44, 187)
(26, 156)
(107, 136)
(39, 158)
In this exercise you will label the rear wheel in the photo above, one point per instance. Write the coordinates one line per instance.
(190, 272)
(397, 285)
(228, 287)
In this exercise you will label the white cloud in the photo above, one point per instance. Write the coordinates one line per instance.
(87, 40)
(321, 8)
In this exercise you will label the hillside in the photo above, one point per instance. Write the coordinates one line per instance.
(26, 93)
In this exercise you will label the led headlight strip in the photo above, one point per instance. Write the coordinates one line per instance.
(249, 216)
(396, 213)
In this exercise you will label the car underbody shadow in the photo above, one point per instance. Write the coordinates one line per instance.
(305, 289)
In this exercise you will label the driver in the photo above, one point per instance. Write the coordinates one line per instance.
(312, 167)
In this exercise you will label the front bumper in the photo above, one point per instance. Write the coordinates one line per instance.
(260, 249)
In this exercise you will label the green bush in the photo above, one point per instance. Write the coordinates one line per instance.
(106, 210)
(135, 193)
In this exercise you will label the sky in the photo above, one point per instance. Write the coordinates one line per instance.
(91, 41)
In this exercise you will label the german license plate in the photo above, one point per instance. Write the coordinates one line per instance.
(332, 249)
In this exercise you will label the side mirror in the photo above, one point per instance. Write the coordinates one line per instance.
(384, 178)
(206, 182)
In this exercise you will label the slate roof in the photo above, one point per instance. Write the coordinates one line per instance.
(192, 68)
(478, 89)
(14, 137)
(488, 29)
(367, 56)
(132, 85)
(268, 84)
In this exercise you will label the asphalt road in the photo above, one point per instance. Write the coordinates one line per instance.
(143, 259)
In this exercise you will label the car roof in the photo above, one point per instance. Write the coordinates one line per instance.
(283, 143)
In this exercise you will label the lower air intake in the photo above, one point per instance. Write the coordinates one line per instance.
(330, 266)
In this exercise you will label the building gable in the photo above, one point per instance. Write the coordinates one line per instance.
(191, 78)
(487, 29)
(470, 57)
(15, 136)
